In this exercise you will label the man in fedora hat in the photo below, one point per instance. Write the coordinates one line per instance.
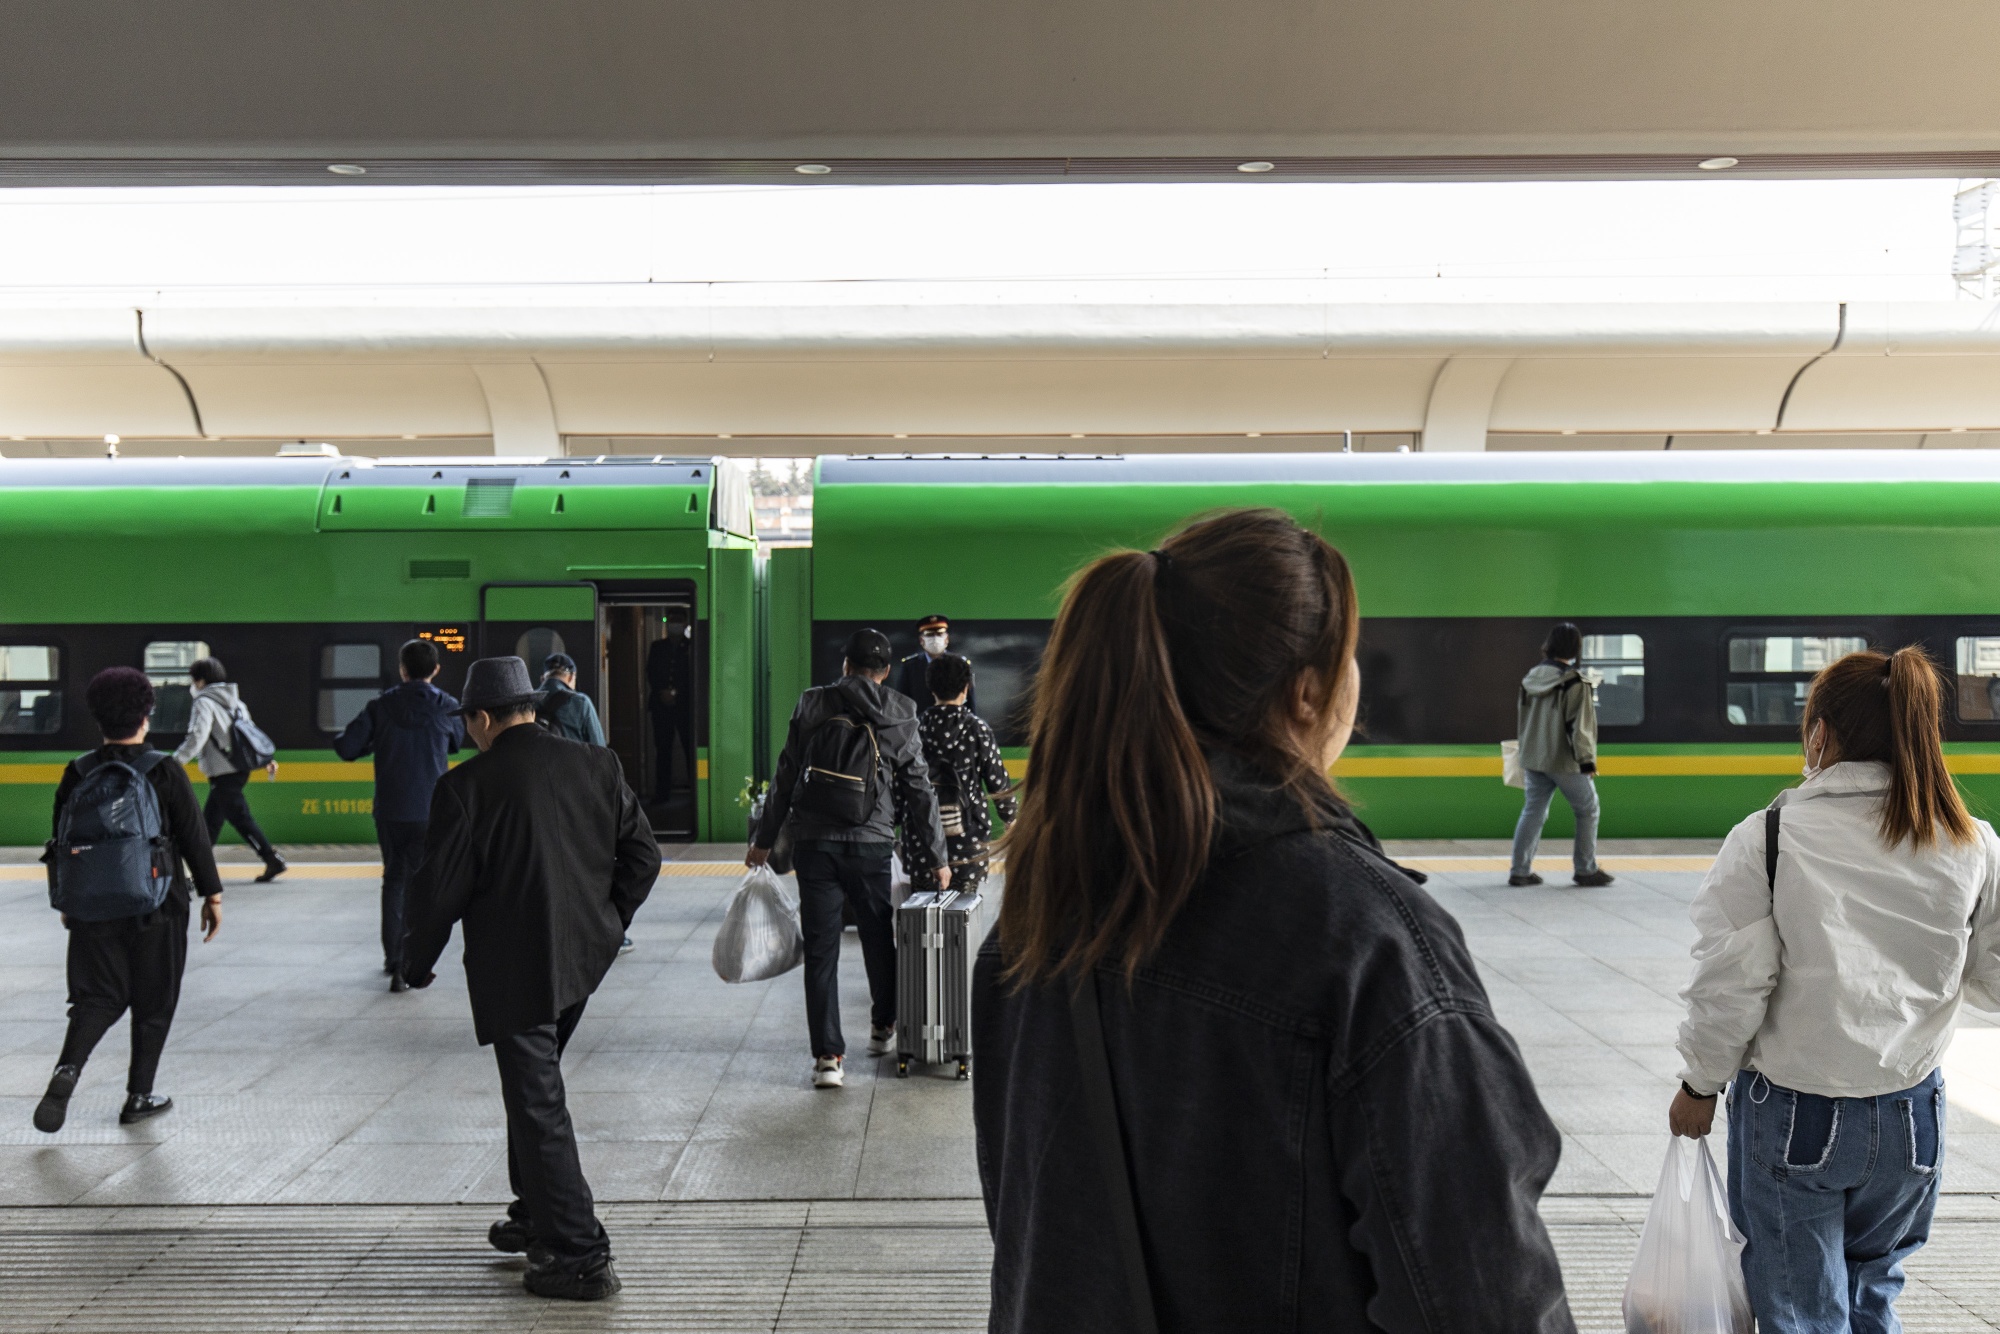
(537, 845)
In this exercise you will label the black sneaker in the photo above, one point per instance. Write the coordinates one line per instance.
(1529, 879)
(396, 982)
(274, 868)
(510, 1235)
(626, 946)
(53, 1109)
(142, 1106)
(593, 1283)
(1594, 879)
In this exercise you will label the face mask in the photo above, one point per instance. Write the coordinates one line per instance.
(1813, 766)
(934, 644)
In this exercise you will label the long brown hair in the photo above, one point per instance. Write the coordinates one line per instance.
(1154, 656)
(1887, 707)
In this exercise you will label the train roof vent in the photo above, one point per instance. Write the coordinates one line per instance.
(440, 569)
(488, 497)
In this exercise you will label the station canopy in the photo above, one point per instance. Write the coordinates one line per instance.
(855, 91)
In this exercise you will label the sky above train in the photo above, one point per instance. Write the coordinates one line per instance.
(1709, 240)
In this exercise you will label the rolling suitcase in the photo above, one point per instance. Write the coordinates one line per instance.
(937, 936)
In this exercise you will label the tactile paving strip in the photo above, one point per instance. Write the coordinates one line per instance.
(776, 1266)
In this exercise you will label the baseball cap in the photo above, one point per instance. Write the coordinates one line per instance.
(868, 650)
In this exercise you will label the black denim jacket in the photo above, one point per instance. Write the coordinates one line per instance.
(1327, 1128)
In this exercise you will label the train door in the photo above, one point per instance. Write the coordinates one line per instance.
(653, 701)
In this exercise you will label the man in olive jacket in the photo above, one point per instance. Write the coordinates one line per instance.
(538, 846)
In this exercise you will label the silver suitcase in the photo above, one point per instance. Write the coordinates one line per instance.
(937, 937)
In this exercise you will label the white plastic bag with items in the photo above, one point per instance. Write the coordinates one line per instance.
(1511, 772)
(1688, 1278)
(760, 936)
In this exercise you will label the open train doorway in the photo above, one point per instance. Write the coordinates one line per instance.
(653, 701)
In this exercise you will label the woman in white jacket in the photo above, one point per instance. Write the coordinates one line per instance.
(1827, 980)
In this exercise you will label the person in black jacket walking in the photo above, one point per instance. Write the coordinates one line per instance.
(838, 862)
(538, 846)
(1235, 1068)
(411, 729)
(132, 962)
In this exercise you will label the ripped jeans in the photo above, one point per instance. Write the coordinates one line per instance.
(1833, 1195)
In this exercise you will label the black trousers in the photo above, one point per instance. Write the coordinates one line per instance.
(402, 852)
(134, 963)
(550, 1194)
(831, 874)
(672, 734)
(227, 802)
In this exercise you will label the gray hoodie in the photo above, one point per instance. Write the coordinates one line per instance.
(208, 729)
(1557, 720)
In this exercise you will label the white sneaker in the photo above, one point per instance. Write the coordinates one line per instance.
(881, 1041)
(827, 1073)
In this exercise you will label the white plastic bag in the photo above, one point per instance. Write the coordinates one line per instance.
(760, 936)
(899, 880)
(1688, 1278)
(1511, 772)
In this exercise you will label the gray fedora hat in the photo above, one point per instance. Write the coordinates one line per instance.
(497, 683)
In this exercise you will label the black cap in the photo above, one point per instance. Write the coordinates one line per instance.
(558, 662)
(494, 685)
(931, 620)
(868, 650)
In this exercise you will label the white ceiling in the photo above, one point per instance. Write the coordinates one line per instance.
(957, 89)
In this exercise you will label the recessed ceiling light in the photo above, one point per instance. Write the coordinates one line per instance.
(111, 440)
(347, 169)
(1570, 432)
(1253, 435)
(813, 169)
(1255, 168)
(1765, 431)
(1076, 435)
(1717, 163)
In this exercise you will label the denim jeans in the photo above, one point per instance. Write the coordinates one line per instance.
(1580, 790)
(1833, 1195)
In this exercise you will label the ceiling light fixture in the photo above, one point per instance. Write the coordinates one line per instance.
(112, 440)
(813, 169)
(1255, 168)
(347, 169)
(1717, 163)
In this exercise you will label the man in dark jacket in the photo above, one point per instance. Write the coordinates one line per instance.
(540, 848)
(670, 701)
(1310, 1044)
(411, 729)
(561, 709)
(839, 862)
(132, 962)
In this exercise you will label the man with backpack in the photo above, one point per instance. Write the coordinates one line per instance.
(126, 825)
(230, 748)
(1557, 720)
(411, 729)
(852, 770)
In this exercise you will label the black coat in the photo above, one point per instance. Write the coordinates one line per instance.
(1327, 1127)
(540, 848)
(912, 678)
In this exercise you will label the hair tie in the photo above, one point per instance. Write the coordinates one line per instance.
(1163, 564)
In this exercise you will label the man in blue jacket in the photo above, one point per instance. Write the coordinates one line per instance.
(411, 729)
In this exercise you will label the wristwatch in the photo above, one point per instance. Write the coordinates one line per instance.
(1698, 1097)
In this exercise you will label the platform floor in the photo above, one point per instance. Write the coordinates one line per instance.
(336, 1151)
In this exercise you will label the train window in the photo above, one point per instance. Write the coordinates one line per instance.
(1769, 675)
(1615, 665)
(535, 645)
(1979, 679)
(349, 676)
(31, 696)
(166, 665)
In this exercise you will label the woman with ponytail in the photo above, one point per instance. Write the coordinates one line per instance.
(1840, 931)
(1235, 1069)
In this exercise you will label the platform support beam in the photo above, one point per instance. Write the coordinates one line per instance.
(1462, 403)
(518, 405)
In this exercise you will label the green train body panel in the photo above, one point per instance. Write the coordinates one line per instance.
(1765, 536)
(324, 543)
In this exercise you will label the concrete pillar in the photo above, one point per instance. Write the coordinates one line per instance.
(1462, 403)
(518, 405)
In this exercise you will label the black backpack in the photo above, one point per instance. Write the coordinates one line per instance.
(110, 857)
(839, 770)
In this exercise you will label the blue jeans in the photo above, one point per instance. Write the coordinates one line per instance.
(1580, 791)
(1833, 1195)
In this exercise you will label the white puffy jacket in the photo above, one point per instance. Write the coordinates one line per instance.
(1847, 981)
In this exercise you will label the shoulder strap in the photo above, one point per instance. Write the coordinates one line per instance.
(1771, 847)
(85, 762)
(1101, 1108)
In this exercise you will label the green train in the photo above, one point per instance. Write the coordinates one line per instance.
(1709, 586)
(304, 575)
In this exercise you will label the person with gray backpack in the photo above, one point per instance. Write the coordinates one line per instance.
(1557, 720)
(128, 834)
(230, 747)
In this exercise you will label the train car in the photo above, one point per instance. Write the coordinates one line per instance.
(1709, 587)
(304, 576)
